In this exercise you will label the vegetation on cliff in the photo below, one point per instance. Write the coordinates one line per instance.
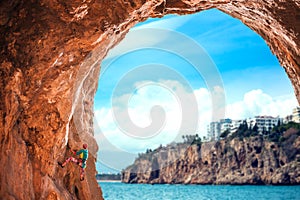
(274, 135)
(282, 134)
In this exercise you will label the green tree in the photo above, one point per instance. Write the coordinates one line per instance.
(183, 137)
(255, 128)
(225, 134)
(197, 140)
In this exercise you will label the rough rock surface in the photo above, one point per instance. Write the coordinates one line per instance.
(250, 161)
(49, 67)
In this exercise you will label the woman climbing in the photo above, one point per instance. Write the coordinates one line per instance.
(81, 161)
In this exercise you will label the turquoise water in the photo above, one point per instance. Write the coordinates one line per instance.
(121, 191)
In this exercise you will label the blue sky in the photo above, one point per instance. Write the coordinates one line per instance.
(145, 70)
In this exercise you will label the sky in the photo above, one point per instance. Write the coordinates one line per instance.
(174, 75)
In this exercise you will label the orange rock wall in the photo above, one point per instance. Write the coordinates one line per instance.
(49, 67)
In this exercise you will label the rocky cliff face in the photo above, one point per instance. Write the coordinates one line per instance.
(49, 67)
(248, 161)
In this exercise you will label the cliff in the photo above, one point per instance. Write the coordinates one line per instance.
(248, 161)
(49, 66)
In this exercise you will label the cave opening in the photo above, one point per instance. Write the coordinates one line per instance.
(49, 74)
(137, 73)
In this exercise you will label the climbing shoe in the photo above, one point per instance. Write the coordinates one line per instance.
(60, 164)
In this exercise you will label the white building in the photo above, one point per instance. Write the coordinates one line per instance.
(235, 125)
(225, 124)
(213, 130)
(264, 123)
(287, 119)
(296, 115)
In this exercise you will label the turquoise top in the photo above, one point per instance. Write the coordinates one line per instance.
(83, 154)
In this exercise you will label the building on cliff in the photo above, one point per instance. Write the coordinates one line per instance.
(226, 124)
(214, 129)
(287, 119)
(264, 123)
(296, 115)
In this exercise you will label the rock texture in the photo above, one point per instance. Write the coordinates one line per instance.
(250, 161)
(49, 67)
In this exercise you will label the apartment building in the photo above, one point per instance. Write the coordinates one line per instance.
(225, 124)
(264, 123)
(296, 115)
(214, 130)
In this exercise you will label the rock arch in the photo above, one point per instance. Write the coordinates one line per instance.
(49, 66)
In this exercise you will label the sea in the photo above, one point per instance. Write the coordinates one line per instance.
(122, 191)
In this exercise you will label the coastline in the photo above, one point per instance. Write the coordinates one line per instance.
(109, 181)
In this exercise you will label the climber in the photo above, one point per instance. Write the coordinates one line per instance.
(83, 156)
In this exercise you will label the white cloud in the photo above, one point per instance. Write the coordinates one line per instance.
(127, 138)
(172, 99)
(256, 102)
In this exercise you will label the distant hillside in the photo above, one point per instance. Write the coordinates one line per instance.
(255, 159)
(110, 177)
